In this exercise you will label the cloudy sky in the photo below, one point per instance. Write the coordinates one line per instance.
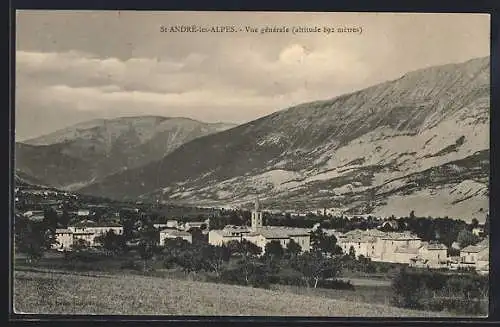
(77, 66)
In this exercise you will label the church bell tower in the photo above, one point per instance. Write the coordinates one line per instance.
(256, 216)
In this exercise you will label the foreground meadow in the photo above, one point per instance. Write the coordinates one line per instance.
(53, 292)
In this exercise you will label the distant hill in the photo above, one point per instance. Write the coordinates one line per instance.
(420, 143)
(75, 156)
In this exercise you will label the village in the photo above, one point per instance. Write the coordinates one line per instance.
(383, 242)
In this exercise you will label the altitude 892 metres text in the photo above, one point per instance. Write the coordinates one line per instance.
(333, 29)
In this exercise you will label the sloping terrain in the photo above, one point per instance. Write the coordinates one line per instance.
(423, 136)
(75, 156)
(50, 293)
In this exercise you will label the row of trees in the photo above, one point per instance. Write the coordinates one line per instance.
(240, 262)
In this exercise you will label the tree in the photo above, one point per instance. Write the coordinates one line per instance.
(147, 243)
(317, 239)
(352, 252)
(293, 249)
(32, 238)
(190, 260)
(412, 215)
(214, 258)
(253, 272)
(474, 223)
(274, 249)
(80, 244)
(466, 237)
(146, 251)
(111, 241)
(50, 218)
(487, 225)
(65, 219)
(314, 267)
(244, 248)
(327, 244)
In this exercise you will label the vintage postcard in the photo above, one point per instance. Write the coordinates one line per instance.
(251, 164)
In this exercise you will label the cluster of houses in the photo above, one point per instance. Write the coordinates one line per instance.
(407, 248)
(259, 234)
(393, 247)
(87, 231)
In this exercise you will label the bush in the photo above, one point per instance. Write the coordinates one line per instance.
(437, 291)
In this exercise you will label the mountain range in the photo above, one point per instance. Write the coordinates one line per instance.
(84, 153)
(419, 143)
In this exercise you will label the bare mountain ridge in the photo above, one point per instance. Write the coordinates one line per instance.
(338, 152)
(74, 156)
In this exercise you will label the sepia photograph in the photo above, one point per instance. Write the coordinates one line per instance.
(297, 164)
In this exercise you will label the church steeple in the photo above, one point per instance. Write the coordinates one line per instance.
(257, 205)
(256, 215)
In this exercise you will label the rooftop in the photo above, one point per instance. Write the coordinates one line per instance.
(474, 248)
(63, 231)
(281, 232)
(175, 232)
(436, 246)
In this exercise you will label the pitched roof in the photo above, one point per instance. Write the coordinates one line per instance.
(63, 231)
(400, 236)
(435, 246)
(276, 234)
(175, 232)
(282, 231)
(474, 248)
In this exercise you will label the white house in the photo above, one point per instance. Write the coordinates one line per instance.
(83, 212)
(431, 255)
(172, 224)
(478, 231)
(64, 238)
(227, 234)
(476, 256)
(174, 234)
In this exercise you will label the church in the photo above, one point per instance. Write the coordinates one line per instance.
(259, 234)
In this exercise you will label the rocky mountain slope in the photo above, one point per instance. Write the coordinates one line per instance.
(420, 142)
(83, 153)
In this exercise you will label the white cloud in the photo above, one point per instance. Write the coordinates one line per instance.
(199, 86)
(122, 65)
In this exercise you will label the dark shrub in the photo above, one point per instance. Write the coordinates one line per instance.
(436, 291)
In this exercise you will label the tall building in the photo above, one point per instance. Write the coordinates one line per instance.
(256, 216)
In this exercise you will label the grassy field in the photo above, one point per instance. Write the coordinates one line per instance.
(59, 292)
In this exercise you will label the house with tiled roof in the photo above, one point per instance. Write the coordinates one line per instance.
(476, 256)
(385, 246)
(431, 255)
(170, 233)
